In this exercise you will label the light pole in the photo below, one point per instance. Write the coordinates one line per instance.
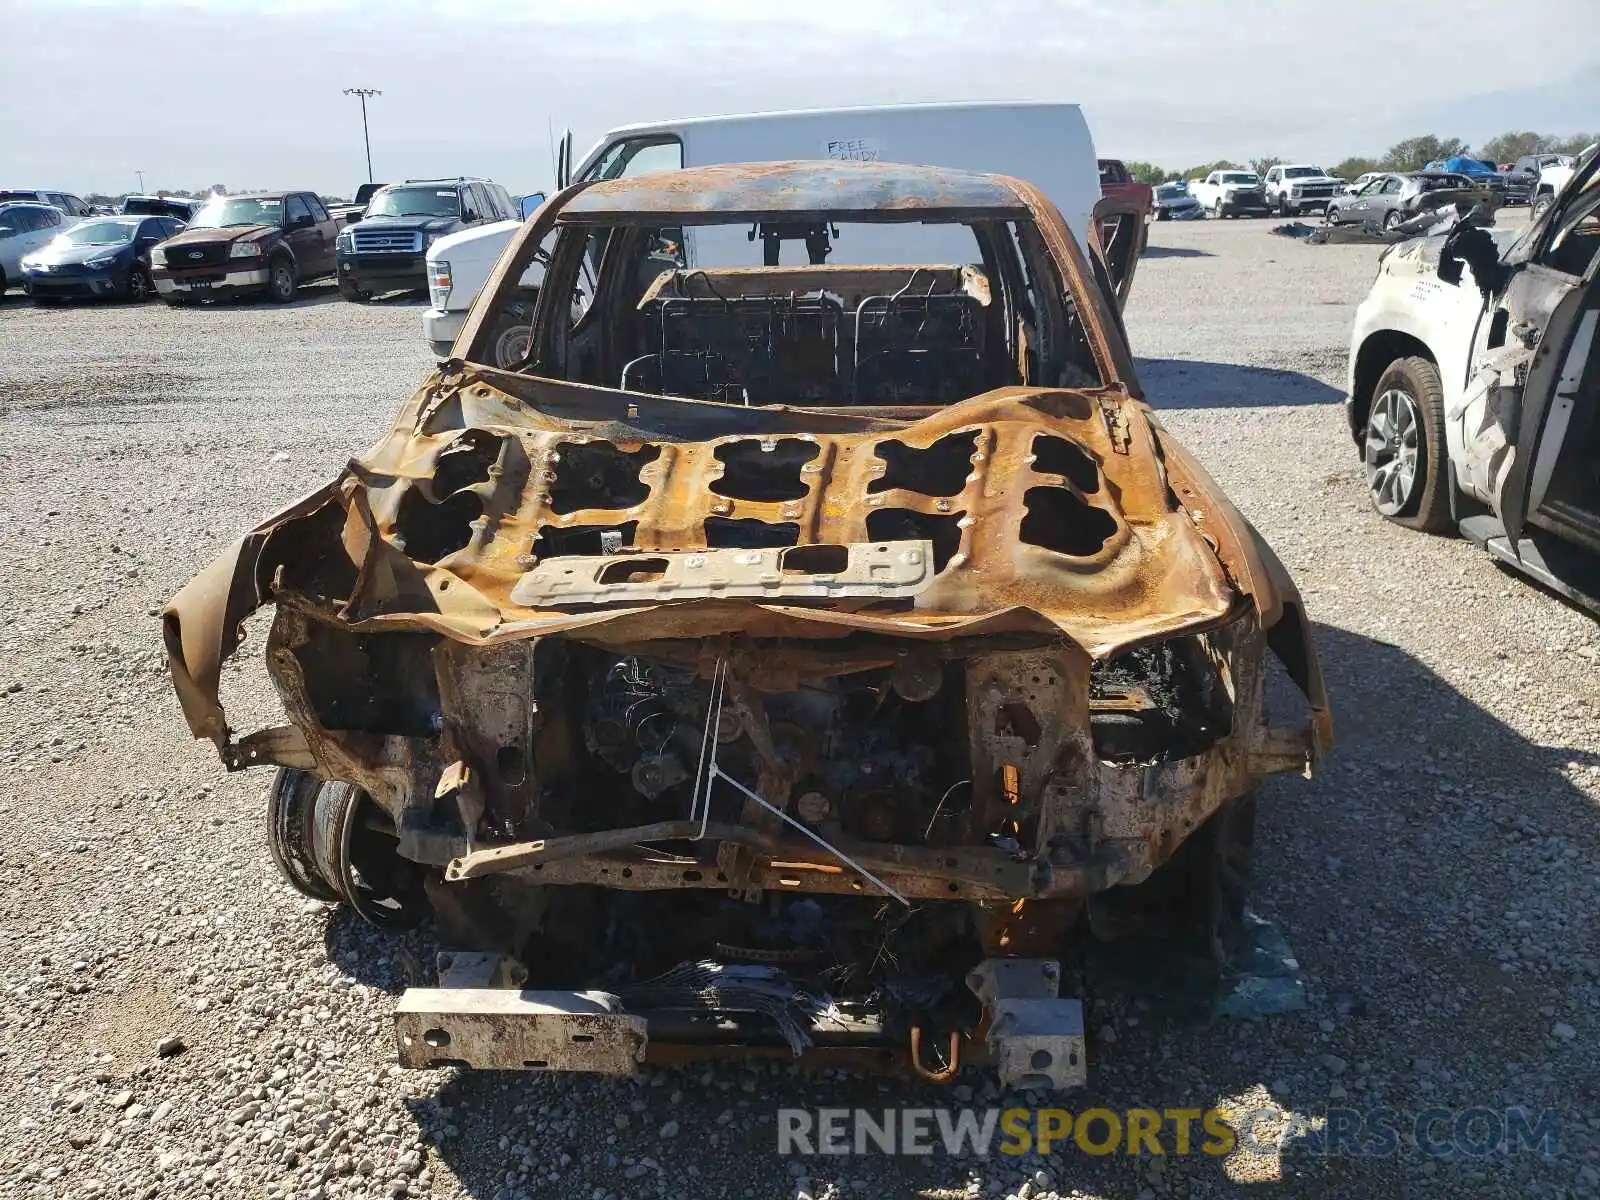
(365, 137)
(140, 174)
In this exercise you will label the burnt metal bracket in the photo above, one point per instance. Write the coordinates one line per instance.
(1036, 1039)
(498, 1029)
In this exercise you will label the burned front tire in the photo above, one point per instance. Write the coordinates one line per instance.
(1197, 896)
(328, 840)
(1403, 449)
(291, 818)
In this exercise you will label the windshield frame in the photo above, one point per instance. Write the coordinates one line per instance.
(199, 221)
(1079, 282)
(1008, 248)
(130, 223)
(437, 191)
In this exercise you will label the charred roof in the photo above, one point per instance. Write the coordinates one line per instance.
(854, 191)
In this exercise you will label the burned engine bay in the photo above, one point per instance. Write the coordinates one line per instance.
(849, 771)
(696, 725)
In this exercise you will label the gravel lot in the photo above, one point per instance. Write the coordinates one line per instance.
(1438, 882)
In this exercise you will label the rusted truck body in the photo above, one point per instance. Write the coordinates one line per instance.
(784, 658)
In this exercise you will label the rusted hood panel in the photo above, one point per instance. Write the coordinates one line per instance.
(1051, 511)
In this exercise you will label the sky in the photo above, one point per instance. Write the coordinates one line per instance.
(201, 92)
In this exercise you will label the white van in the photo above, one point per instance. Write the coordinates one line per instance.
(1046, 144)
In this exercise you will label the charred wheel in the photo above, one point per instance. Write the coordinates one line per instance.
(1198, 895)
(291, 814)
(328, 841)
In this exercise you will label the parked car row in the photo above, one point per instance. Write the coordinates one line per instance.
(1386, 199)
(256, 244)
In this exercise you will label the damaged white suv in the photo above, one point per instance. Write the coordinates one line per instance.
(1473, 388)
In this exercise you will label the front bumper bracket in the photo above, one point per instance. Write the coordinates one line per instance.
(494, 1028)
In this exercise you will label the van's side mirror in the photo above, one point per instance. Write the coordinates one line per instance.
(352, 218)
(529, 204)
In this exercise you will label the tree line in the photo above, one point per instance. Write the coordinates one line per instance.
(1412, 154)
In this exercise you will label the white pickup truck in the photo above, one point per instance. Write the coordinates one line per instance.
(1553, 178)
(1046, 143)
(1292, 188)
(1229, 193)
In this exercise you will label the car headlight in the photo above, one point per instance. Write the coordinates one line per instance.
(439, 284)
(244, 250)
(429, 239)
(101, 263)
(158, 257)
(345, 242)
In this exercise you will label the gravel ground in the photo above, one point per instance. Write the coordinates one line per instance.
(1437, 882)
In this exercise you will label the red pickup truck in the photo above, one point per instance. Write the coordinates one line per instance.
(259, 243)
(1115, 181)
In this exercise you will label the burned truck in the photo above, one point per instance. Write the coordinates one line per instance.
(798, 655)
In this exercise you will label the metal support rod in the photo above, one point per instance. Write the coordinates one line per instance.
(366, 138)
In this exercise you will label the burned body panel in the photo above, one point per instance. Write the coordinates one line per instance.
(864, 696)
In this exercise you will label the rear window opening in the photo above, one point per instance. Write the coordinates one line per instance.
(809, 312)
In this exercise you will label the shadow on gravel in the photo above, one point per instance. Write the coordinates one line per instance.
(1179, 383)
(1175, 252)
(1392, 876)
(399, 300)
(386, 961)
